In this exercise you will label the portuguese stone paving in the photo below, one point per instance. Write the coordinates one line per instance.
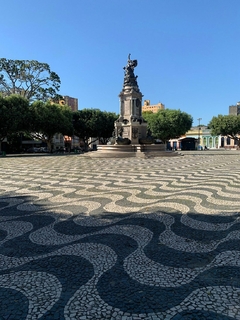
(126, 239)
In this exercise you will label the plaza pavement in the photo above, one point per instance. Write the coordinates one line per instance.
(129, 238)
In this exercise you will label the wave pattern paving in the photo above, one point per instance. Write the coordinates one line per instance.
(120, 238)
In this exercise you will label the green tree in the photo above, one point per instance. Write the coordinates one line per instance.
(49, 119)
(168, 124)
(31, 79)
(15, 115)
(93, 123)
(228, 125)
(106, 126)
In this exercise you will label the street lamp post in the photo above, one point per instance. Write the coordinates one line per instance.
(73, 144)
(199, 129)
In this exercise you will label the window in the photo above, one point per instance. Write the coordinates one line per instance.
(210, 142)
(222, 142)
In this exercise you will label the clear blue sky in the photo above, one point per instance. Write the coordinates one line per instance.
(188, 51)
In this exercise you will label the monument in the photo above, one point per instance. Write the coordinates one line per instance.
(130, 126)
(130, 129)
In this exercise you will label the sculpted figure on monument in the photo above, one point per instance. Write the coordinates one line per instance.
(129, 78)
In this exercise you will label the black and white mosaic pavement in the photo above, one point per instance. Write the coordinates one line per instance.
(126, 239)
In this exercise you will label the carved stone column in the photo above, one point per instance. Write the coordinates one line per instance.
(130, 123)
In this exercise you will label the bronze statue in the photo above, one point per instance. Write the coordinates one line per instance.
(130, 80)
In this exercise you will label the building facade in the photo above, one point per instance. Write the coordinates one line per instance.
(227, 142)
(69, 101)
(234, 110)
(201, 137)
(152, 107)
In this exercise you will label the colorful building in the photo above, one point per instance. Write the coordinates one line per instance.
(197, 137)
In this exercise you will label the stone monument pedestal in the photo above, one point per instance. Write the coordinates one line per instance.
(127, 151)
(130, 129)
(130, 124)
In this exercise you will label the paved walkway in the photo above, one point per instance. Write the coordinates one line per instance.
(86, 238)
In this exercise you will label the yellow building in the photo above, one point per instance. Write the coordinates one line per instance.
(200, 137)
(154, 107)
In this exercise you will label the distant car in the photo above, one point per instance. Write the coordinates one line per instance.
(43, 149)
(60, 150)
(32, 150)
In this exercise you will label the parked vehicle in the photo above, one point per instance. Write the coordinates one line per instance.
(33, 150)
(37, 150)
(43, 149)
(60, 150)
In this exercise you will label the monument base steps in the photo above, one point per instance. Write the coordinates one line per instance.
(127, 151)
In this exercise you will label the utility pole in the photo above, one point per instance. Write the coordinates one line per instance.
(199, 129)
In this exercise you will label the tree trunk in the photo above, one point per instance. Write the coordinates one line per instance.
(49, 145)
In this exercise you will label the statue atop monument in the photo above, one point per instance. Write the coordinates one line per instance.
(130, 80)
(130, 126)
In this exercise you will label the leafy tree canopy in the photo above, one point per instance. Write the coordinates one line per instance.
(106, 126)
(15, 115)
(93, 123)
(31, 79)
(49, 119)
(228, 125)
(168, 124)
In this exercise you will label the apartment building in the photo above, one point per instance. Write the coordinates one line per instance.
(69, 101)
(152, 107)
